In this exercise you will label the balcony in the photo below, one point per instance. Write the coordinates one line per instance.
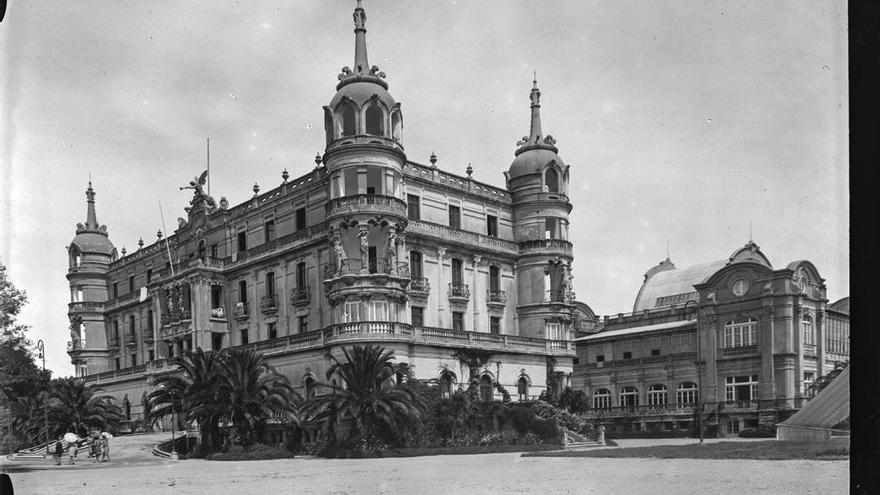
(218, 313)
(459, 293)
(368, 204)
(545, 247)
(744, 350)
(74, 345)
(131, 339)
(419, 285)
(269, 303)
(240, 311)
(496, 298)
(683, 409)
(301, 296)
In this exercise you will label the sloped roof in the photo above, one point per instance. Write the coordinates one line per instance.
(637, 330)
(828, 408)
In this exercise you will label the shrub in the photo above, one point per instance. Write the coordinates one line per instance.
(257, 451)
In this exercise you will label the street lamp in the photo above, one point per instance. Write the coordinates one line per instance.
(41, 348)
(699, 368)
(173, 425)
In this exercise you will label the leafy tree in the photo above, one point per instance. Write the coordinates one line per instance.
(75, 406)
(371, 403)
(253, 392)
(195, 393)
(573, 401)
(19, 374)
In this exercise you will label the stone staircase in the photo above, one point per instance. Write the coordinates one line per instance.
(575, 441)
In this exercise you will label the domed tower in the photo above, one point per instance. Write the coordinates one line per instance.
(538, 182)
(90, 254)
(365, 279)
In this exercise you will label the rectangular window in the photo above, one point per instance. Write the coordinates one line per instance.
(242, 241)
(216, 342)
(242, 291)
(809, 378)
(150, 321)
(600, 358)
(116, 330)
(303, 322)
(352, 311)
(270, 284)
(494, 279)
(627, 355)
(494, 325)
(372, 258)
(457, 320)
(269, 230)
(115, 289)
(300, 219)
(457, 272)
(131, 324)
(214, 251)
(492, 225)
(454, 217)
(244, 336)
(149, 275)
(415, 265)
(134, 359)
(413, 211)
(553, 331)
(417, 316)
(272, 331)
(741, 388)
(655, 352)
(301, 275)
(216, 297)
(118, 364)
(131, 283)
(151, 355)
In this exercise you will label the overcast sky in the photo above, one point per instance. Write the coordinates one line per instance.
(681, 120)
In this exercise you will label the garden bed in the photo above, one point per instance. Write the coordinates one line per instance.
(423, 451)
(758, 450)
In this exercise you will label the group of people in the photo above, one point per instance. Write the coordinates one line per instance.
(99, 447)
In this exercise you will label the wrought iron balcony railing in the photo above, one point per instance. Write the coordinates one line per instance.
(269, 302)
(240, 310)
(420, 284)
(496, 297)
(459, 291)
(300, 296)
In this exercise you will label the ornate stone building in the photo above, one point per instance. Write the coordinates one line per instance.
(369, 246)
(764, 336)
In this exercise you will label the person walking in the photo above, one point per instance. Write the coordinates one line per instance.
(58, 451)
(105, 447)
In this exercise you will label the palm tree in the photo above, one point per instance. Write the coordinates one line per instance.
(76, 406)
(253, 392)
(195, 393)
(27, 418)
(370, 402)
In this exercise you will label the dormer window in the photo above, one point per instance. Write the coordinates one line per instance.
(374, 120)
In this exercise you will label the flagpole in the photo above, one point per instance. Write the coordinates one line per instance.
(208, 140)
(164, 233)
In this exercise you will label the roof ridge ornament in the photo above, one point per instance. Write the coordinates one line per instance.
(362, 70)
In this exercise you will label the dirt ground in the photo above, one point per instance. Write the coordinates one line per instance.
(134, 471)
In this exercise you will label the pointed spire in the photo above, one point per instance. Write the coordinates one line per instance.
(536, 138)
(91, 224)
(362, 70)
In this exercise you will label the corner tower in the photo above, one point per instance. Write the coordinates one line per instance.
(365, 279)
(538, 182)
(89, 256)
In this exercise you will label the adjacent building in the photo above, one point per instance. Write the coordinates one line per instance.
(742, 339)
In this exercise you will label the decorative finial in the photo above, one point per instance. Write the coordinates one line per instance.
(362, 70)
(159, 234)
(470, 170)
(285, 176)
(318, 160)
(256, 188)
(123, 251)
(433, 160)
(750, 232)
(140, 243)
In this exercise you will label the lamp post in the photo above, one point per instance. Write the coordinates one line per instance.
(41, 348)
(699, 368)
(173, 425)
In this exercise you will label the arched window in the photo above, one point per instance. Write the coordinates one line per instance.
(741, 334)
(551, 179)
(328, 125)
(629, 397)
(349, 128)
(374, 118)
(486, 388)
(447, 379)
(75, 257)
(602, 399)
(396, 125)
(310, 386)
(686, 393)
(657, 395)
(522, 388)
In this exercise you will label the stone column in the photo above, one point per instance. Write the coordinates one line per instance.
(477, 292)
(441, 289)
(796, 315)
(767, 387)
(820, 342)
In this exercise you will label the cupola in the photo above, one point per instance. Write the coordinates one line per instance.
(91, 237)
